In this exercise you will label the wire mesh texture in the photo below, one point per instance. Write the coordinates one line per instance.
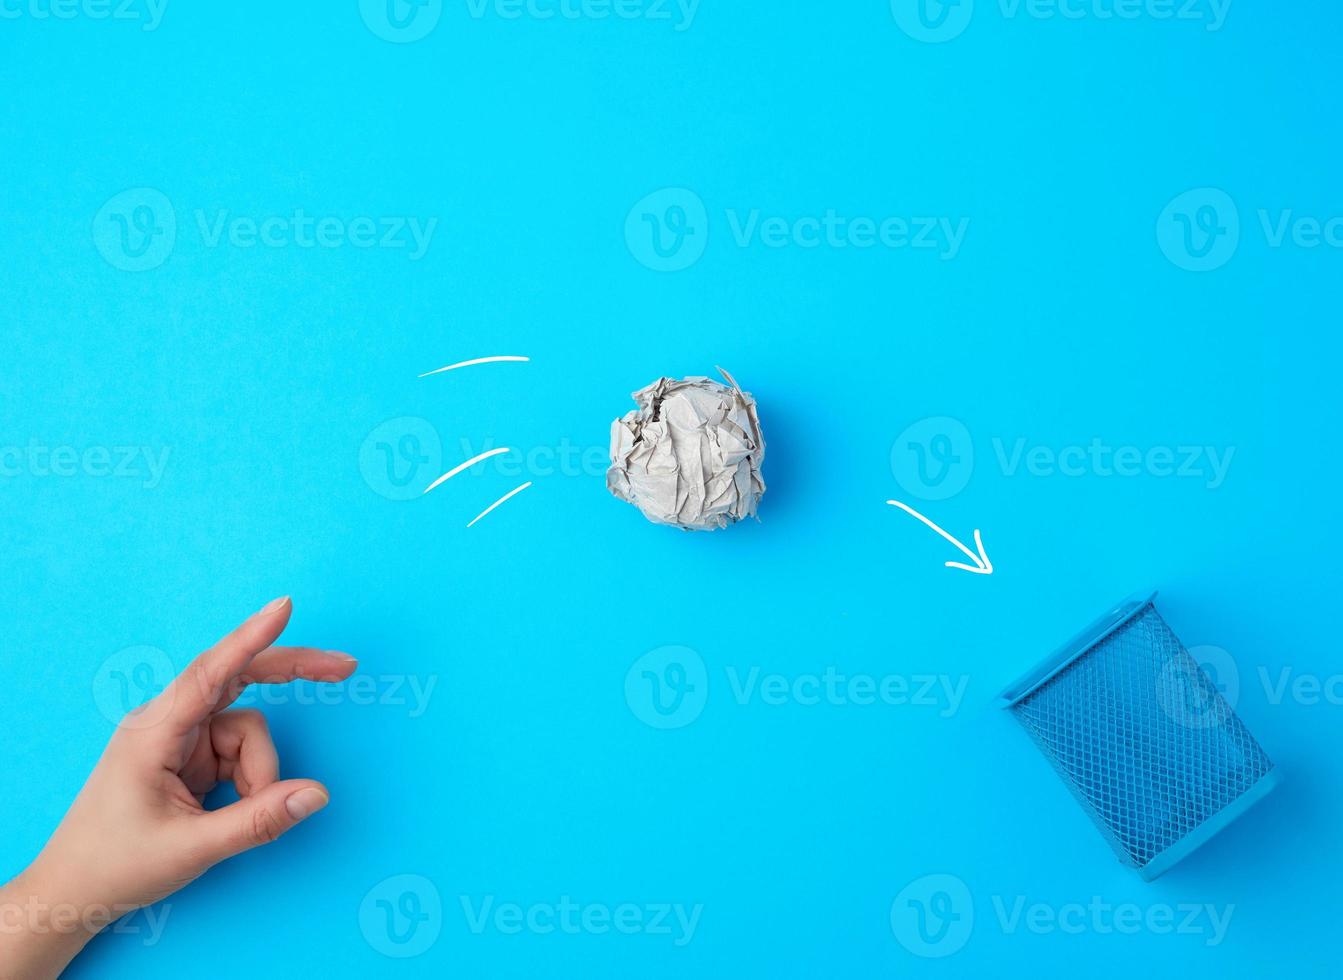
(1144, 740)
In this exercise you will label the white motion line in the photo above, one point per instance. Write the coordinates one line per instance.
(465, 466)
(478, 360)
(515, 490)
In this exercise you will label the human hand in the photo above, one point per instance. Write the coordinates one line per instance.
(138, 830)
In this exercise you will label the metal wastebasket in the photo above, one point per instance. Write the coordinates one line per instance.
(1142, 737)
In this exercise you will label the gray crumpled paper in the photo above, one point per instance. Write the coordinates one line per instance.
(690, 455)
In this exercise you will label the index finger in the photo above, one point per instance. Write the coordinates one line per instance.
(280, 665)
(194, 694)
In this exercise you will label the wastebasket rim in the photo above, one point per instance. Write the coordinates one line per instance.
(1037, 676)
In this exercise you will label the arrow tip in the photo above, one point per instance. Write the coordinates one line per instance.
(982, 565)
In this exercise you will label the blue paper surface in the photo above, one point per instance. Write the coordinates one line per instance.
(1068, 280)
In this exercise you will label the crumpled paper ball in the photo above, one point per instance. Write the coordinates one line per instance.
(690, 455)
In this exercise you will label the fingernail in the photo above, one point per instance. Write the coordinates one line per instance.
(337, 654)
(305, 802)
(275, 605)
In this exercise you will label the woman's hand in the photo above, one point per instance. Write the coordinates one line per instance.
(138, 830)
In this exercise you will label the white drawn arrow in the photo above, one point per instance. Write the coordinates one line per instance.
(981, 566)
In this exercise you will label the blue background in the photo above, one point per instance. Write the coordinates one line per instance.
(263, 371)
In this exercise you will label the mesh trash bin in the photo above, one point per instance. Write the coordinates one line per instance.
(1142, 737)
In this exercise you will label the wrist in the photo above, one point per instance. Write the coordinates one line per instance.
(42, 927)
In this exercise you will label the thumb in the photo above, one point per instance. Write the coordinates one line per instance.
(261, 818)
